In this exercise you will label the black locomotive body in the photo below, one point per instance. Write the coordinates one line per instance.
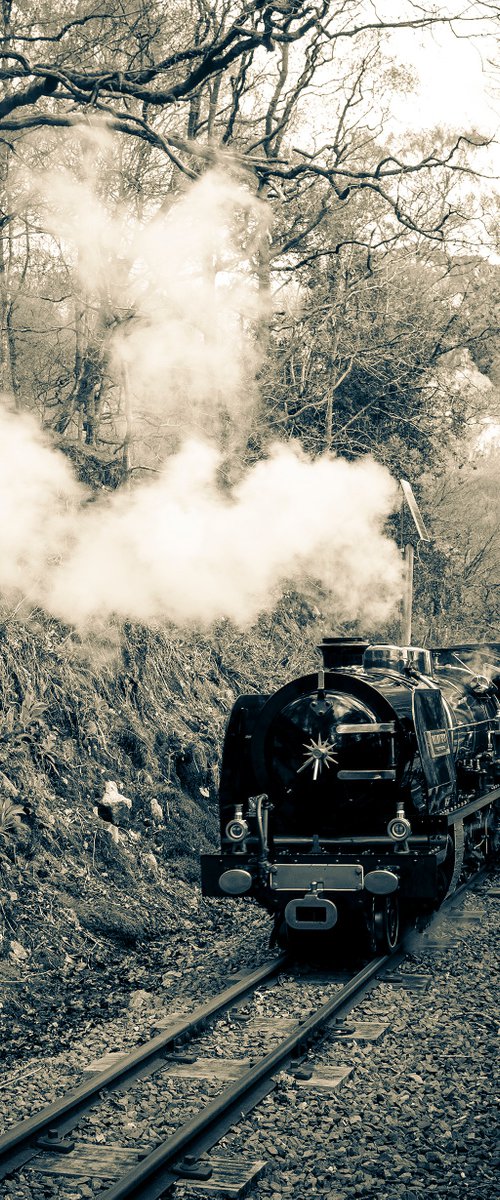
(361, 792)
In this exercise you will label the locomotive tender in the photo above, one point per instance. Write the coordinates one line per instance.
(357, 796)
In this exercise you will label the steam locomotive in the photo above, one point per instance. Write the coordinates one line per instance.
(356, 797)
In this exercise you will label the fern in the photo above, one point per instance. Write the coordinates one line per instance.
(10, 817)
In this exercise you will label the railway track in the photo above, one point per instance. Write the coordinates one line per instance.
(47, 1133)
(43, 1143)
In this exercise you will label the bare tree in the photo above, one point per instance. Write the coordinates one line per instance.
(193, 84)
(178, 80)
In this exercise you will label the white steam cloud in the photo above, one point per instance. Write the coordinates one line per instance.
(182, 549)
(37, 493)
(177, 300)
(174, 291)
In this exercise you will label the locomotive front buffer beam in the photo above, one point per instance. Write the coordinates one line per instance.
(316, 885)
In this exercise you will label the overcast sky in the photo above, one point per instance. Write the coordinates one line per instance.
(457, 81)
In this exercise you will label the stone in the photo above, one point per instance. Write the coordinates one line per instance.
(150, 863)
(114, 807)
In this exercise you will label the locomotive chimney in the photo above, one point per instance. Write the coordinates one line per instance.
(342, 652)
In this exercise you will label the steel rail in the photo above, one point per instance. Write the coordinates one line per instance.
(130, 1186)
(21, 1136)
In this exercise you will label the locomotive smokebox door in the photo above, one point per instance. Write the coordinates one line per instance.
(432, 728)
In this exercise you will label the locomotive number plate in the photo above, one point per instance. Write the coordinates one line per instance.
(331, 877)
(438, 742)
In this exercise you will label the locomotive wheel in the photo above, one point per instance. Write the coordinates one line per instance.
(279, 933)
(384, 924)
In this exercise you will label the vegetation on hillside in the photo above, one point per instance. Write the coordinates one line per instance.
(80, 896)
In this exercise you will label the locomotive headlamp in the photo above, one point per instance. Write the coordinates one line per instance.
(237, 828)
(399, 828)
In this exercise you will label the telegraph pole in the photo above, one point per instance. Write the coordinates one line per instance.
(419, 535)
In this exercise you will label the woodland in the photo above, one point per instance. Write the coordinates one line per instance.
(373, 257)
(216, 223)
